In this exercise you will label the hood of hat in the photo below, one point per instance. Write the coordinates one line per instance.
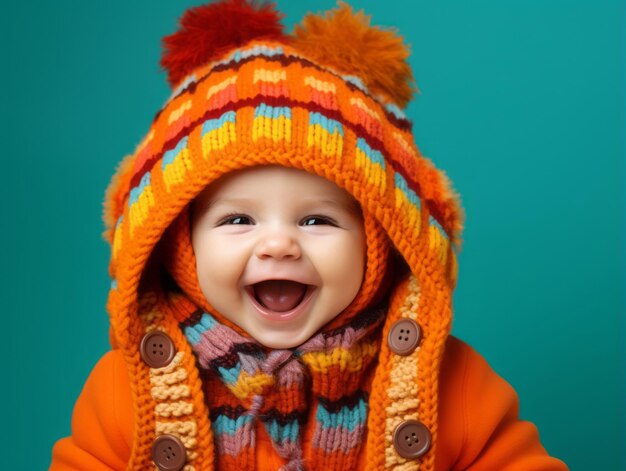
(269, 104)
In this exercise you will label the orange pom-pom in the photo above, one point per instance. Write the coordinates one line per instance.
(345, 41)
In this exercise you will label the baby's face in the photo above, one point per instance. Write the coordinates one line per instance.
(280, 252)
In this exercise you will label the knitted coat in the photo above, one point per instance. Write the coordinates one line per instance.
(269, 99)
(478, 424)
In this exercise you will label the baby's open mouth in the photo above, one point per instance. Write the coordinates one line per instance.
(279, 295)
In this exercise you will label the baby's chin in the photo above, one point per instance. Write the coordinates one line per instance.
(281, 340)
(282, 336)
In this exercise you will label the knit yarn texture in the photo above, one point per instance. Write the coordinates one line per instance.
(285, 389)
(274, 101)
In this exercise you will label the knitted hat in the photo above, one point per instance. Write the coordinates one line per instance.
(328, 100)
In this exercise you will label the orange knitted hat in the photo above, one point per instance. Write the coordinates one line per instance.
(328, 100)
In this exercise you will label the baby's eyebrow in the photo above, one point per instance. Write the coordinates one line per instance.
(348, 204)
(233, 201)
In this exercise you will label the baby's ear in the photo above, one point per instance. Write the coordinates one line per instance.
(115, 196)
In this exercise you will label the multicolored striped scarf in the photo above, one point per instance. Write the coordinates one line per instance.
(321, 387)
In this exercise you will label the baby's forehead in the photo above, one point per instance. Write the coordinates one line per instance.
(275, 182)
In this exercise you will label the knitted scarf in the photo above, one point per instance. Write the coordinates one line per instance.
(321, 386)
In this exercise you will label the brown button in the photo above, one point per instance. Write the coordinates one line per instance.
(168, 453)
(411, 439)
(404, 336)
(157, 349)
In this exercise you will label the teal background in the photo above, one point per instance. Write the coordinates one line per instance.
(522, 104)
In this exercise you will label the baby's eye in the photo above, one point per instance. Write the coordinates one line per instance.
(318, 220)
(235, 219)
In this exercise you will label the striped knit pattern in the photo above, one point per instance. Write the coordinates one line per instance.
(218, 109)
(339, 362)
(245, 385)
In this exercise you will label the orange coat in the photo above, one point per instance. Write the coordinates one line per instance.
(479, 427)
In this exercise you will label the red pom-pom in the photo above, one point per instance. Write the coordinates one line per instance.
(208, 31)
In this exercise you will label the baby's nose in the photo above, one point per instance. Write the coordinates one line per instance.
(279, 246)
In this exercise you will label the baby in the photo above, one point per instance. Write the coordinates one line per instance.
(283, 261)
(291, 250)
